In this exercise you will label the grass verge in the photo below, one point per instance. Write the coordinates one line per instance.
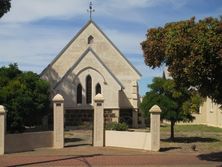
(187, 137)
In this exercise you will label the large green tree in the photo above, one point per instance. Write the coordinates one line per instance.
(177, 103)
(25, 96)
(192, 51)
(5, 6)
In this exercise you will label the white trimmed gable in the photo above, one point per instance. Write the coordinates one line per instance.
(91, 52)
(105, 49)
(89, 64)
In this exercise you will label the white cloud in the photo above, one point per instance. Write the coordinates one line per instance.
(127, 42)
(177, 4)
(32, 10)
(30, 45)
(130, 4)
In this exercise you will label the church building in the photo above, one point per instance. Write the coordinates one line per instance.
(90, 64)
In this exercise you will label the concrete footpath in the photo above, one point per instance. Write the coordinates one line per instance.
(108, 156)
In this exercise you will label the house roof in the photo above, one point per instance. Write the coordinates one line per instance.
(89, 49)
(73, 39)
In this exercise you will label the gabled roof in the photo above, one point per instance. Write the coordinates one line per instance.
(73, 39)
(89, 49)
(116, 48)
(67, 45)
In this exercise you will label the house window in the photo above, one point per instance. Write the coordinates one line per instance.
(79, 94)
(88, 89)
(90, 39)
(98, 89)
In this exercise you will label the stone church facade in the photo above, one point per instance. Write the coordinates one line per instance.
(90, 64)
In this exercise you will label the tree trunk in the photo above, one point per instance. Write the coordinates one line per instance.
(172, 130)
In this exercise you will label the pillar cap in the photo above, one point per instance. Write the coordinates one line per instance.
(2, 109)
(58, 97)
(99, 97)
(155, 109)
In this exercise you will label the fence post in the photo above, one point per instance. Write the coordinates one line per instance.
(98, 129)
(155, 127)
(2, 129)
(58, 112)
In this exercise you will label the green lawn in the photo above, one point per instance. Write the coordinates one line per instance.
(204, 138)
(191, 128)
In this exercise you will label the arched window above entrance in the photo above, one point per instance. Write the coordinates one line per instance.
(98, 88)
(88, 89)
(79, 94)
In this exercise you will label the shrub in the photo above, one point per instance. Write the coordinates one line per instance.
(26, 97)
(117, 126)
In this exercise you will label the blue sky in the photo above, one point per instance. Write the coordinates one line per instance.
(34, 31)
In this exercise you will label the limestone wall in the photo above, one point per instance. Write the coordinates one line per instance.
(85, 117)
(137, 140)
(109, 87)
(28, 141)
(78, 117)
(108, 54)
(102, 46)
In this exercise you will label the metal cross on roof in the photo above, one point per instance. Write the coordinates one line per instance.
(90, 10)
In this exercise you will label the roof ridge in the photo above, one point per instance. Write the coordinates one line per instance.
(66, 46)
(115, 47)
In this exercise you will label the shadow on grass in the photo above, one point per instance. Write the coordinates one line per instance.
(77, 145)
(214, 156)
(191, 140)
(75, 142)
(72, 140)
(164, 149)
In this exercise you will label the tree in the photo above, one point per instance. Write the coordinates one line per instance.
(25, 96)
(5, 6)
(192, 51)
(177, 104)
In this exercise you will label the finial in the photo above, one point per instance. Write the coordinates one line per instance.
(90, 10)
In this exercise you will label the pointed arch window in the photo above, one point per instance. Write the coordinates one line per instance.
(79, 94)
(98, 89)
(90, 39)
(88, 89)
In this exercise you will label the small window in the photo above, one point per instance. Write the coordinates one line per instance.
(88, 89)
(90, 39)
(79, 94)
(98, 89)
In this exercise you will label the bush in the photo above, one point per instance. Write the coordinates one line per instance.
(26, 97)
(117, 126)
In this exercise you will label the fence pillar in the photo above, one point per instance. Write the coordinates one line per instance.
(58, 112)
(155, 127)
(98, 131)
(2, 129)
